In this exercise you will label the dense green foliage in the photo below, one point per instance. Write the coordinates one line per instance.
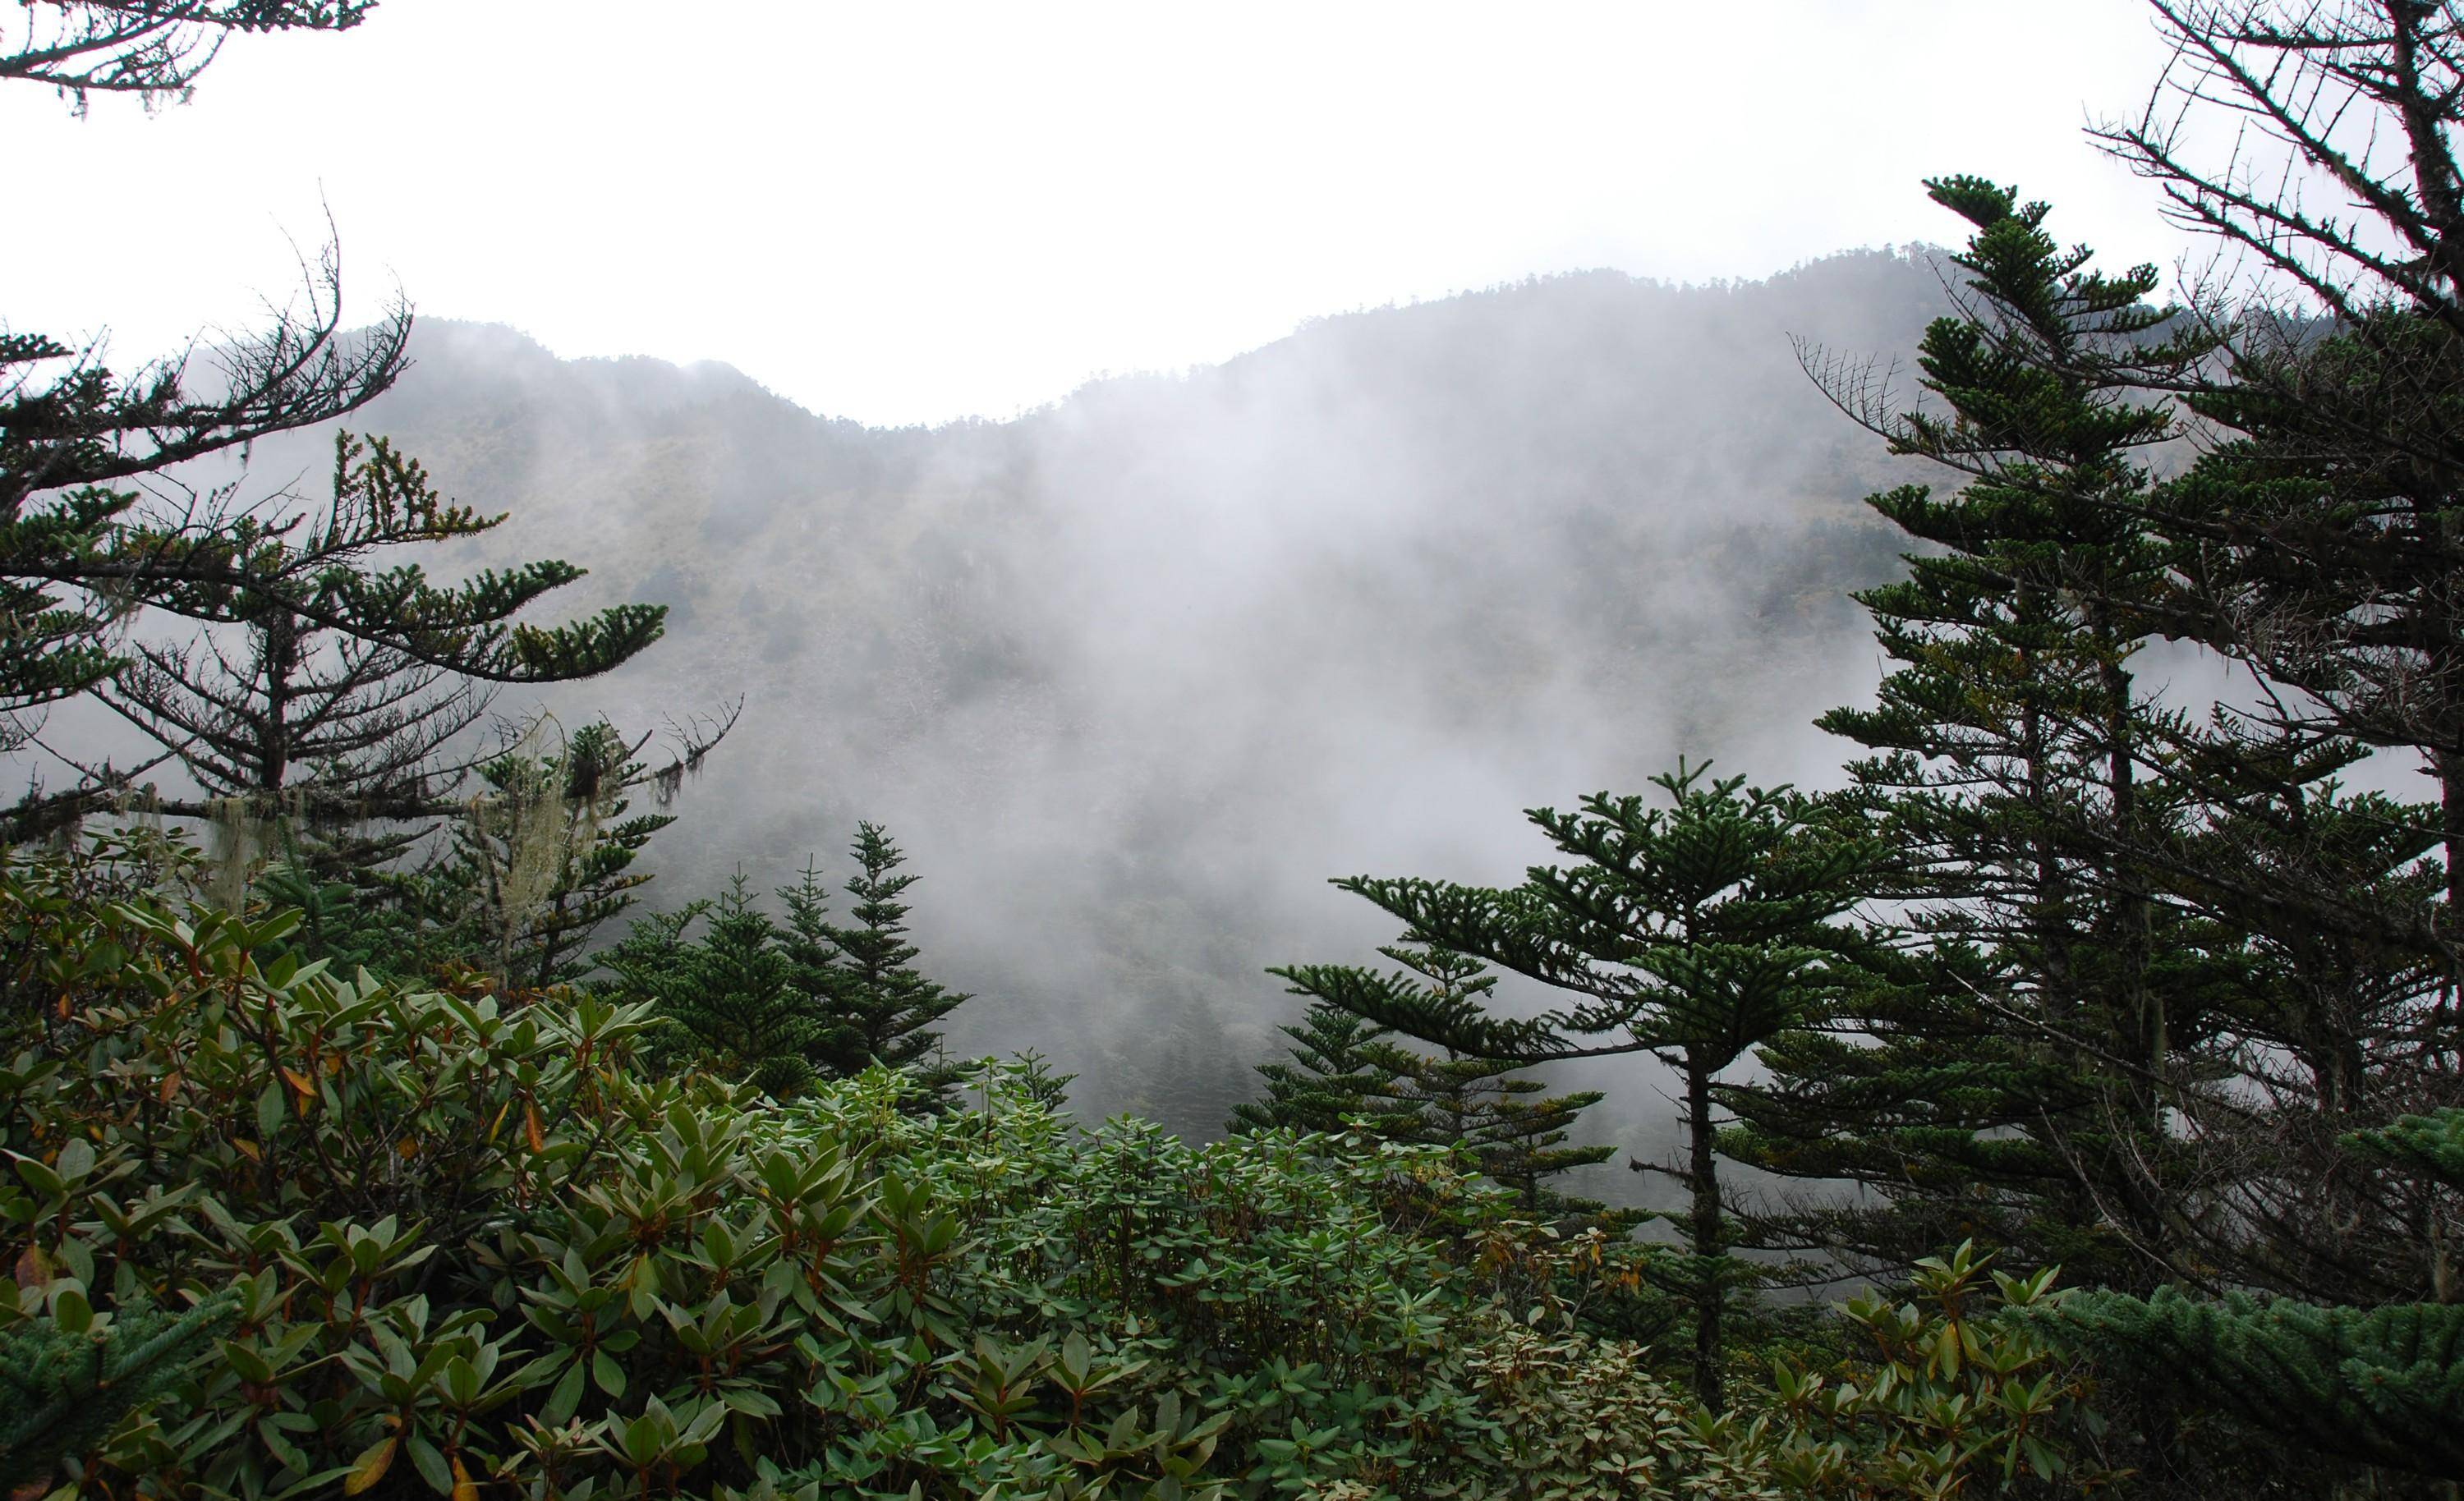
(2111, 982)
(1690, 932)
(786, 1004)
(2383, 1385)
(1330, 1080)
(1348, 1075)
(387, 1241)
(1948, 1392)
(466, 1244)
(2004, 746)
(67, 1381)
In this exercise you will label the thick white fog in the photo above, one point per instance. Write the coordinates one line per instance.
(1132, 676)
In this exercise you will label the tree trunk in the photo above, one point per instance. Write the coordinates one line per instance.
(280, 635)
(2134, 908)
(1708, 1235)
(2048, 917)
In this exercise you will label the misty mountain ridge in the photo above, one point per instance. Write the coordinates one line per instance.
(1132, 674)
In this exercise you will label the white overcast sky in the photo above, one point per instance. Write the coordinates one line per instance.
(909, 211)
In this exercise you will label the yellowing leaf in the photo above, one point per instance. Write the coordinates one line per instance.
(465, 1488)
(35, 1268)
(531, 1127)
(371, 1464)
(408, 1147)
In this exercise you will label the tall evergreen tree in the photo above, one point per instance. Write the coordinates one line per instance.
(1486, 1107)
(2164, 963)
(1691, 932)
(788, 1004)
(2005, 1080)
(331, 678)
(2316, 543)
(346, 742)
(2370, 93)
(79, 546)
(300, 709)
(2328, 1022)
(804, 937)
(885, 1007)
(305, 715)
(352, 675)
(737, 1001)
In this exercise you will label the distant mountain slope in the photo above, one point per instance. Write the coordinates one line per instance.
(1132, 674)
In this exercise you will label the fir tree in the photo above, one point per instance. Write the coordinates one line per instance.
(1525, 1140)
(1483, 1106)
(66, 1382)
(298, 708)
(1327, 1081)
(2383, 1386)
(2165, 964)
(2333, 1023)
(1350, 1070)
(813, 957)
(2319, 546)
(77, 548)
(733, 1001)
(2005, 1078)
(279, 712)
(790, 1004)
(885, 1007)
(2322, 549)
(648, 964)
(1691, 932)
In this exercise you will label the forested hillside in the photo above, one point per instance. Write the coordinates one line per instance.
(1132, 673)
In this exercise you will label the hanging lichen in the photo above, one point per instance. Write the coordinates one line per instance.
(140, 816)
(238, 839)
(531, 830)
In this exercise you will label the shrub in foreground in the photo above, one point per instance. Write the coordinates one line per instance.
(456, 1242)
